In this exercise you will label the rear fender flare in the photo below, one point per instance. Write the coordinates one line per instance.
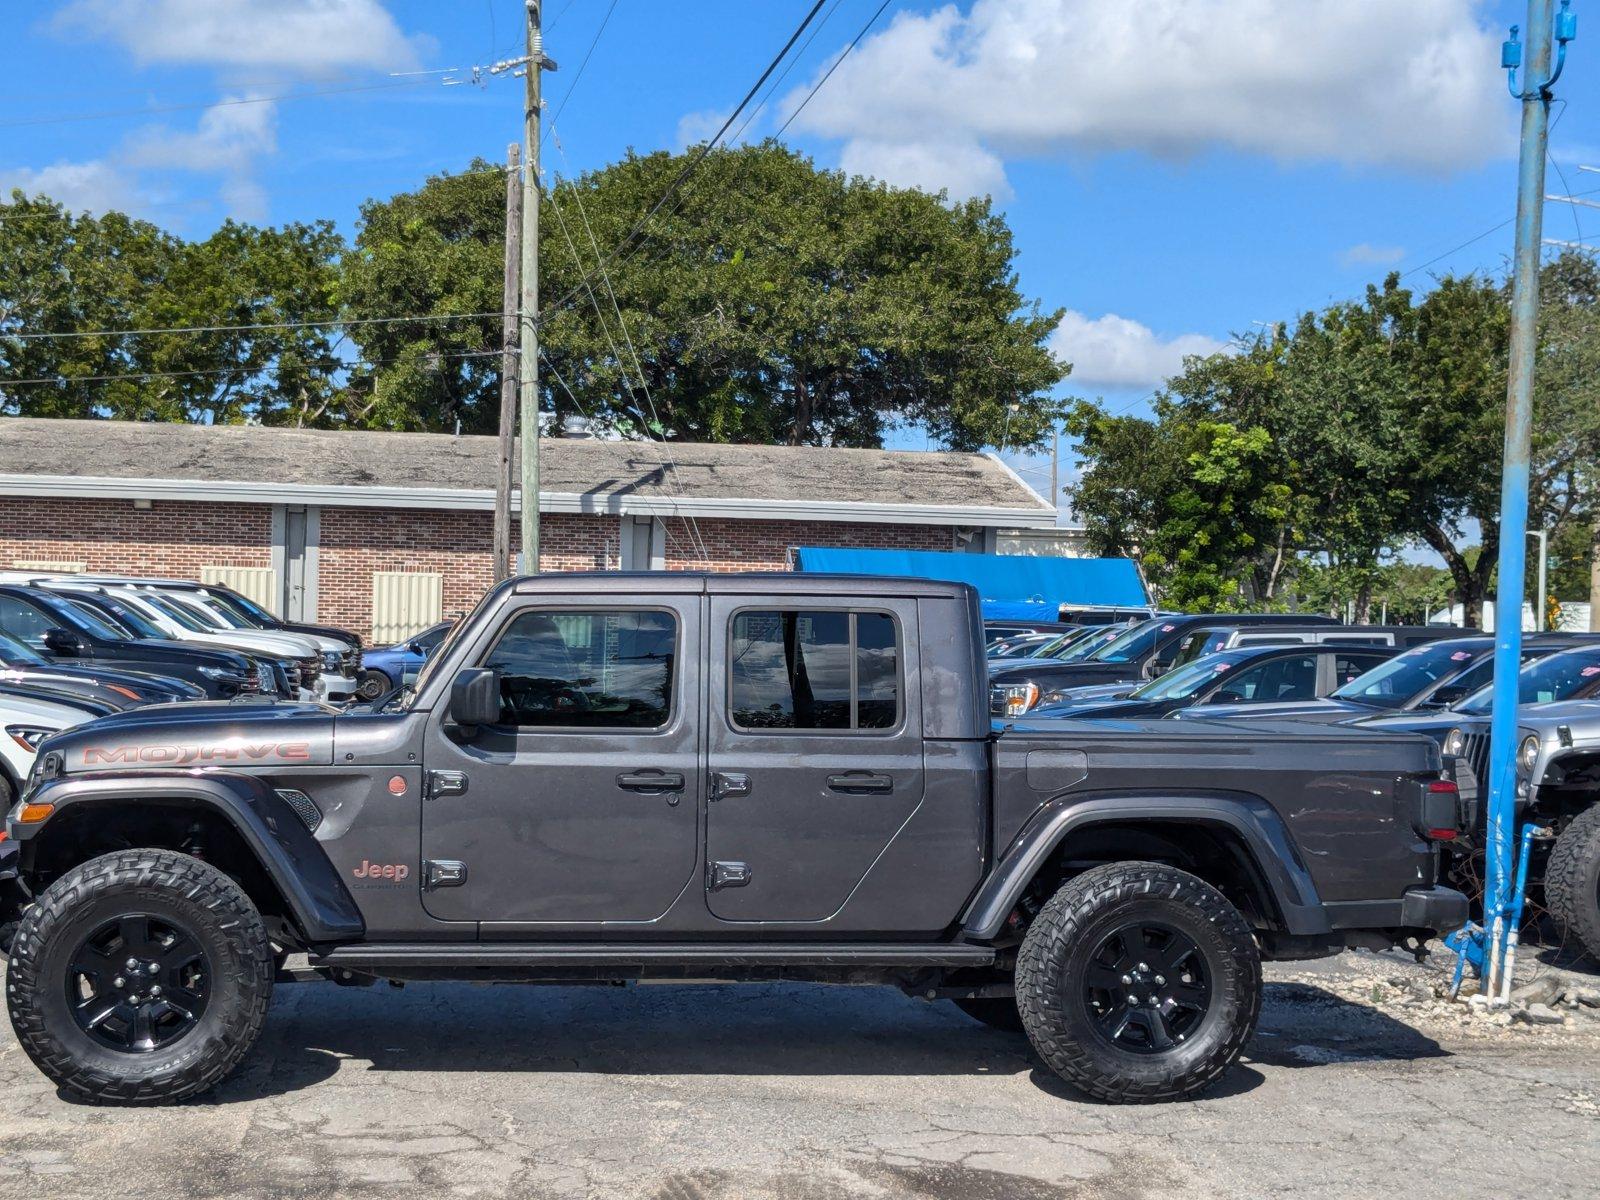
(294, 860)
(1249, 818)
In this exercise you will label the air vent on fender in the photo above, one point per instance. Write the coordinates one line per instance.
(304, 807)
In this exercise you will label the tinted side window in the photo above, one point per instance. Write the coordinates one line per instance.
(1347, 666)
(589, 670)
(1278, 679)
(799, 669)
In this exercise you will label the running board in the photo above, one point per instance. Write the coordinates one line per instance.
(378, 959)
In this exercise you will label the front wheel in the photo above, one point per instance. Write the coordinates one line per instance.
(1139, 983)
(1572, 879)
(372, 684)
(140, 977)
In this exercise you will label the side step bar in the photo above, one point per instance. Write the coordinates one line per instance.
(377, 959)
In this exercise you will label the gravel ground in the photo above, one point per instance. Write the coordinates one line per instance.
(1359, 1083)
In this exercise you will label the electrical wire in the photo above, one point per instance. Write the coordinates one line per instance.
(576, 79)
(332, 322)
(144, 376)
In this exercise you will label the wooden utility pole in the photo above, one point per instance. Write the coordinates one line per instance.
(528, 314)
(508, 365)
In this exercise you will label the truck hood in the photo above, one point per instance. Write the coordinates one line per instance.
(1299, 710)
(1063, 675)
(205, 734)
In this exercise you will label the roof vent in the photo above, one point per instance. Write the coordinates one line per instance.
(576, 427)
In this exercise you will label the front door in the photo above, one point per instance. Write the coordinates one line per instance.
(581, 804)
(815, 751)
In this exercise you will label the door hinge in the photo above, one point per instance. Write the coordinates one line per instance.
(445, 783)
(443, 873)
(728, 875)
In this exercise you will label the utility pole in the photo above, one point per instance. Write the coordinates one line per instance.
(508, 365)
(1534, 95)
(528, 310)
(1055, 470)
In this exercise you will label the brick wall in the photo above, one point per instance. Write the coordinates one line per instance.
(764, 545)
(169, 538)
(178, 538)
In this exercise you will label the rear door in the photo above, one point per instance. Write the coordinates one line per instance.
(815, 750)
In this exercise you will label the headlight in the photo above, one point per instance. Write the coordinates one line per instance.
(1527, 754)
(1455, 742)
(1020, 697)
(27, 736)
(217, 673)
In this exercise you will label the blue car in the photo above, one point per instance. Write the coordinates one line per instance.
(384, 668)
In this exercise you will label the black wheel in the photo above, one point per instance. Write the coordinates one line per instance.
(1139, 982)
(372, 684)
(1572, 880)
(140, 977)
(998, 1012)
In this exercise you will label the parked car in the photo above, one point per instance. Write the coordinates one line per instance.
(241, 605)
(175, 623)
(764, 777)
(1227, 637)
(1021, 645)
(1248, 675)
(1142, 651)
(21, 664)
(1425, 678)
(994, 631)
(25, 721)
(1557, 765)
(385, 668)
(75, 635)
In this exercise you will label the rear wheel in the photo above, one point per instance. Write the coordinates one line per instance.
(1138, 983)
(139, 977)
(1572, 880)
(998, 1012)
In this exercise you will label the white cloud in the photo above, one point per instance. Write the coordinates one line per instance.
(1365, 254)
(697, 127)
(1361, 82)
(96, 186)
(228, 141)
(1112, 351)
(310, 36)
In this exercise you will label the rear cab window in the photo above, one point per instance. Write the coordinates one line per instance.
(820, 669)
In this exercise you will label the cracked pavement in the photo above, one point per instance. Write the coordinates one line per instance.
(801, 1092)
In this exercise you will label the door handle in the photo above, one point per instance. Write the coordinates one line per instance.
(651, 782)
(729, 783)
(861, 782)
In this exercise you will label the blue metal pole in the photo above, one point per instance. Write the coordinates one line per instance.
(1514, 481)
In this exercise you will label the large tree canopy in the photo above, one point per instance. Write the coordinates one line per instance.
(767, 301)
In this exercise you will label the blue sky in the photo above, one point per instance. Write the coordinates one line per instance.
(1174, 170)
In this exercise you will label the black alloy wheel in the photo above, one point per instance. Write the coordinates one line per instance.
(1146, 988)
(138, 983)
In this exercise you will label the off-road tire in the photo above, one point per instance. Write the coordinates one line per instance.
(997, 1012)
(1054, 962)
(1572, 880)
(174, 888)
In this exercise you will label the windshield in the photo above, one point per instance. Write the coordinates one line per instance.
(135, 623)
(175, 613)
(405, 695)
(1134, 642)
(1185, 681)
(245, 607)
(89, 621)
(1391, 684)
(1565, 676)
(1200, 642)
(214, 614)
(15, 653)
(1079, 651)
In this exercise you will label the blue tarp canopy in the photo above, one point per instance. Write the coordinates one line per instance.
(1012, 586)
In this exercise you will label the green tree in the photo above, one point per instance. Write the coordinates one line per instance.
(768, 301)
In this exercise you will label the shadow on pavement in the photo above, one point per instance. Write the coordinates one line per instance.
(1307, 1026)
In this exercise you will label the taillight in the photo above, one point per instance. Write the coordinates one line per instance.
(1439, 815)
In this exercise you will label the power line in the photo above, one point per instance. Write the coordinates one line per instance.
(827, 75)
(145, 376)
(332, 322)
(588, 54)
(693, 164)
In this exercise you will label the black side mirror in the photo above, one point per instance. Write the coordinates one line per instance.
(475, 698)
(1446, 696)
(63, 642)
(416, 649)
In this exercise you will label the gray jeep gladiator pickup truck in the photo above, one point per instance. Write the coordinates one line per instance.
(604, 778)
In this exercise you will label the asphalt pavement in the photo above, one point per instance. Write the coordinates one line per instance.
(693, 1092)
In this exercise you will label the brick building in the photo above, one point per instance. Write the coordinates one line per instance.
(383, 532)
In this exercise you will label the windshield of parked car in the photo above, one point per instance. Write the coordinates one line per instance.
(86, 620)
(127, 622)
(176, 613)
(428, 640)
(244, 607)
(1569, 675)
(1200, 643)
(1391, 684)
(1134, 642)
(1187, 680)
(1079, 651)
(14, 652)
(198, 610)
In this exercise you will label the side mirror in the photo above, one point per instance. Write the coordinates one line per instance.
(1157, 667)
(63, 642)
(1445, 697)
(416, 649)
(475, 697)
